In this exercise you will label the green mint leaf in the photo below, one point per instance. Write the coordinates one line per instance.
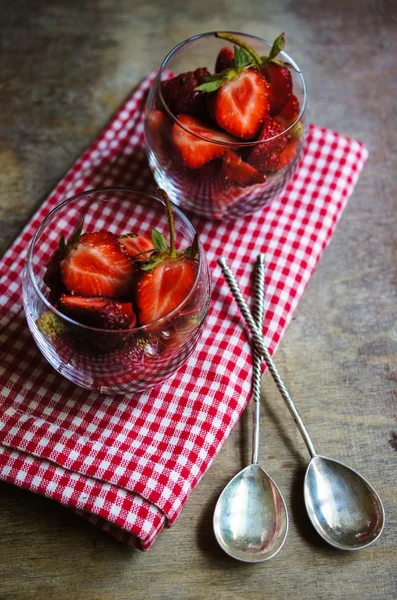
(278, 45)
(159, 241)
(241, 58)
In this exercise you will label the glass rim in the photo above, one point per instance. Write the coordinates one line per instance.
(238, 143)
(132, 330)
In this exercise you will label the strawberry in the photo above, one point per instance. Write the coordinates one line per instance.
(164, 288)
(280, 79)
(137, 245)
(288, 154)
(265, 157)
(241, 95)
(53, 276)
(241, 105)
(181, 95)
(224, 60)
(195, 151)
(97, 265)
(158, 130)
(167, 276)
(98, 312)
(290, 112)
(239, 172)
(278, 75)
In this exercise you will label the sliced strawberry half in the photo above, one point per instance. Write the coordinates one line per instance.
(195, 151)
(137, 245)
(167, 276)
(98, 312)
(241, 105)
(224, 59)
(97, 265)
(239, 172)
(162, 289)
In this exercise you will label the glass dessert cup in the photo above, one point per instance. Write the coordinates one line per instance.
(208, 190)
(103, 360)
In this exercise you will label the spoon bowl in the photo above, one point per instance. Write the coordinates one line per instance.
(344, 508)
(250, 518)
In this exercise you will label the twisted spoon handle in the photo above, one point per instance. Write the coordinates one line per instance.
(259, 309)
(257, 337)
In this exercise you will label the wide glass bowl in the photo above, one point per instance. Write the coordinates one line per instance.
(208, 190)
(112, 361)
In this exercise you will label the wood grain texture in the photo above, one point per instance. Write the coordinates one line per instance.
(65, 68)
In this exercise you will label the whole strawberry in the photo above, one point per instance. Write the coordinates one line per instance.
(290, 112)
(224, 60)
(278, 75)
(181, 95)
(266, 157)
(167, 276)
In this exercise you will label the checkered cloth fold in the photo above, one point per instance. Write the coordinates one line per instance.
(128, 464)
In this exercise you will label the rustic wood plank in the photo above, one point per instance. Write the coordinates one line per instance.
(65, 69)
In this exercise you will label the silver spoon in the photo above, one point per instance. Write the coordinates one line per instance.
(250, 518)
(343, 507)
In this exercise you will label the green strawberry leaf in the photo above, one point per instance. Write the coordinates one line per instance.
(194, 248)
(214, 82)
(278, 46)
(76, 236)
(159, 241)
(211, 86)
(241, 58)
(151, 264)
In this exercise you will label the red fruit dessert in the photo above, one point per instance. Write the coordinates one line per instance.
(231, 126)
(126, 309)
(106, 276)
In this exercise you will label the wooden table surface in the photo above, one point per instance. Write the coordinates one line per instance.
(65, 68)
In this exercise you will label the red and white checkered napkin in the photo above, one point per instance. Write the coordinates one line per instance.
(129, 463)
